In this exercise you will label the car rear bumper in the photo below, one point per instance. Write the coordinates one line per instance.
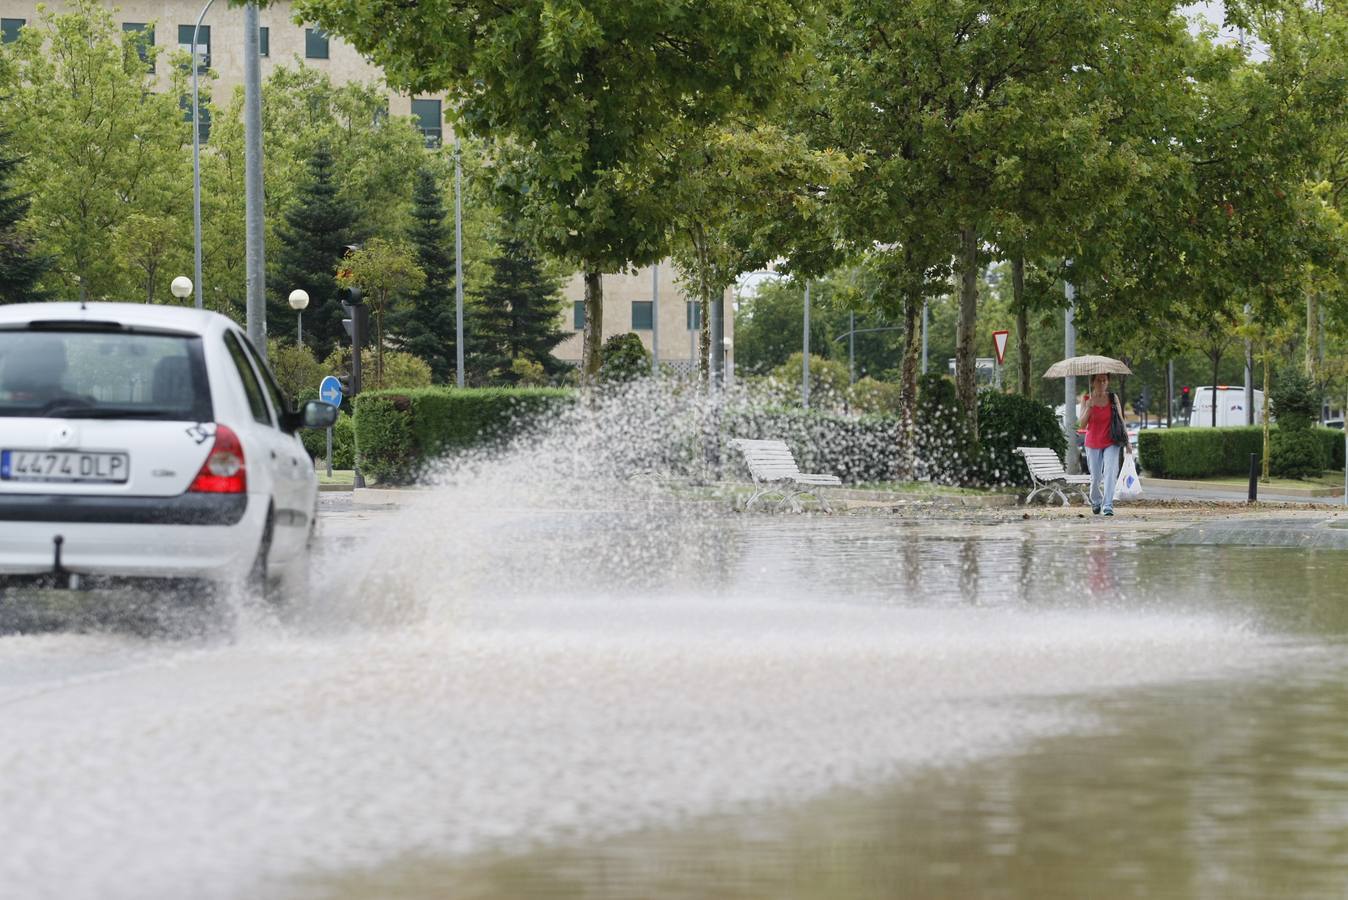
(124, 540)
(184, 509)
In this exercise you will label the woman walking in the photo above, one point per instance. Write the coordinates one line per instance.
(1096, 415)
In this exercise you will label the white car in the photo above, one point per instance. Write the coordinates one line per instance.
(147, 442)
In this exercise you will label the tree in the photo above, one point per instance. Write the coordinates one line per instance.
(98, 144)
(21, 266)
(735, 187)
(312, 241)
(426, 325)
(385, 271)
(581, 95)
(528, 303)
(371, 152)
(942, 98)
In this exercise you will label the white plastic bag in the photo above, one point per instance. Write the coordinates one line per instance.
(1128, 485)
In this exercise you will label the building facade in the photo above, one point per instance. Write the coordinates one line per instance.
(631, 301)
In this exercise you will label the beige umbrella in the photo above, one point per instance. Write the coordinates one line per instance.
(1087, 365)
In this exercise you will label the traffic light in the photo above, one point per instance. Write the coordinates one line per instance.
(1186, 398)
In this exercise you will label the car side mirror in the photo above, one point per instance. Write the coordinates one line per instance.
(317, 414)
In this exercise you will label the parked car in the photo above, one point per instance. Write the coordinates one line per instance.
(147, 442)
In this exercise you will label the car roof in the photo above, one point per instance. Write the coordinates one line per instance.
(178, 318)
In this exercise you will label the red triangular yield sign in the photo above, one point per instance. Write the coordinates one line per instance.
(999, 342)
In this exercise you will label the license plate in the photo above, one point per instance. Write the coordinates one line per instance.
(64, 466)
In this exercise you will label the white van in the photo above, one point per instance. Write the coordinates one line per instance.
(1230, 401)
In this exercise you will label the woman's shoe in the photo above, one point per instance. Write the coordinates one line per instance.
(1109, 512)
(1095, 510)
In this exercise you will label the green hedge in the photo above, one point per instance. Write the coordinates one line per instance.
(1206, 452)
(343, 442)
(399, 431)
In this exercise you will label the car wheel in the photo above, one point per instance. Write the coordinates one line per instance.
(258, 577)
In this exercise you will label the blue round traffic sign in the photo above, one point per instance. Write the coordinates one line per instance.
(330, 390)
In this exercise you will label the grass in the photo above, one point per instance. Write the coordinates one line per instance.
(339, 476)
(919, 487)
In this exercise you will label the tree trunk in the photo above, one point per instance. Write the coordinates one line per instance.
(594, 325)
(912, 311)
(1022, 322)
(1312, 338)
(699, 242)
(379, 344)
(966, 388)
(1216, 361)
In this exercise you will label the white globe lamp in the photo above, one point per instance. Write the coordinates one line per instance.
(299, 300)
(181, 287)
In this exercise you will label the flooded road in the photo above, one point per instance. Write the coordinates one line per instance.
(669, 703)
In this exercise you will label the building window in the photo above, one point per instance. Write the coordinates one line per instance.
(143, 36)
(263, 40)
(315, 43)
(202, 54)
(204, 113)
(427, 113)
(642, 314)
(694, 315)
(578, 314)
(9, 29)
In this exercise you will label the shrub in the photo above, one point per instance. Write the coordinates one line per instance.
(1008, 421)
(1204, 452)
(943, 444)
(1293, 401)
(295, 368)
(1296, 453)
(399, 432)
(624, 358)
(864, 449)
(401, 370)
(874, 397)
(343, 442)
(1199, 452)
(528, 373)
(1332, 441)
(828, 382)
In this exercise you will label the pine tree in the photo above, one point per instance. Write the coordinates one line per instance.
(520, 309)
(312, 241)
(20, 266)
(426, 326)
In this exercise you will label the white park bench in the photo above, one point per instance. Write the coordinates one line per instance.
(1048, 474)
(774, 471)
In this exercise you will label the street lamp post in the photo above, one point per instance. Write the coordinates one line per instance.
(196, 158)
(458, 260)
(299, 302)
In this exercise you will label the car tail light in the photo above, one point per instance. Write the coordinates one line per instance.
(223, 472)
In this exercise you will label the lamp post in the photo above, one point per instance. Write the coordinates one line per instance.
(299, 302)
(196, 158)
(181, 287)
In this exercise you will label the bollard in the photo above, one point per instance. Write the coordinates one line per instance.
(1254, 477)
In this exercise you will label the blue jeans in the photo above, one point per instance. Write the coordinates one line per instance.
(1104, 466)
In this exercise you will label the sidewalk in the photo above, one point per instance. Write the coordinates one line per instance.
(1175, 489)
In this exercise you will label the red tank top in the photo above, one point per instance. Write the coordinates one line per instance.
(1097, 429)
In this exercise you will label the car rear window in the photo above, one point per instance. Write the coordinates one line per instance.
(103, 374)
